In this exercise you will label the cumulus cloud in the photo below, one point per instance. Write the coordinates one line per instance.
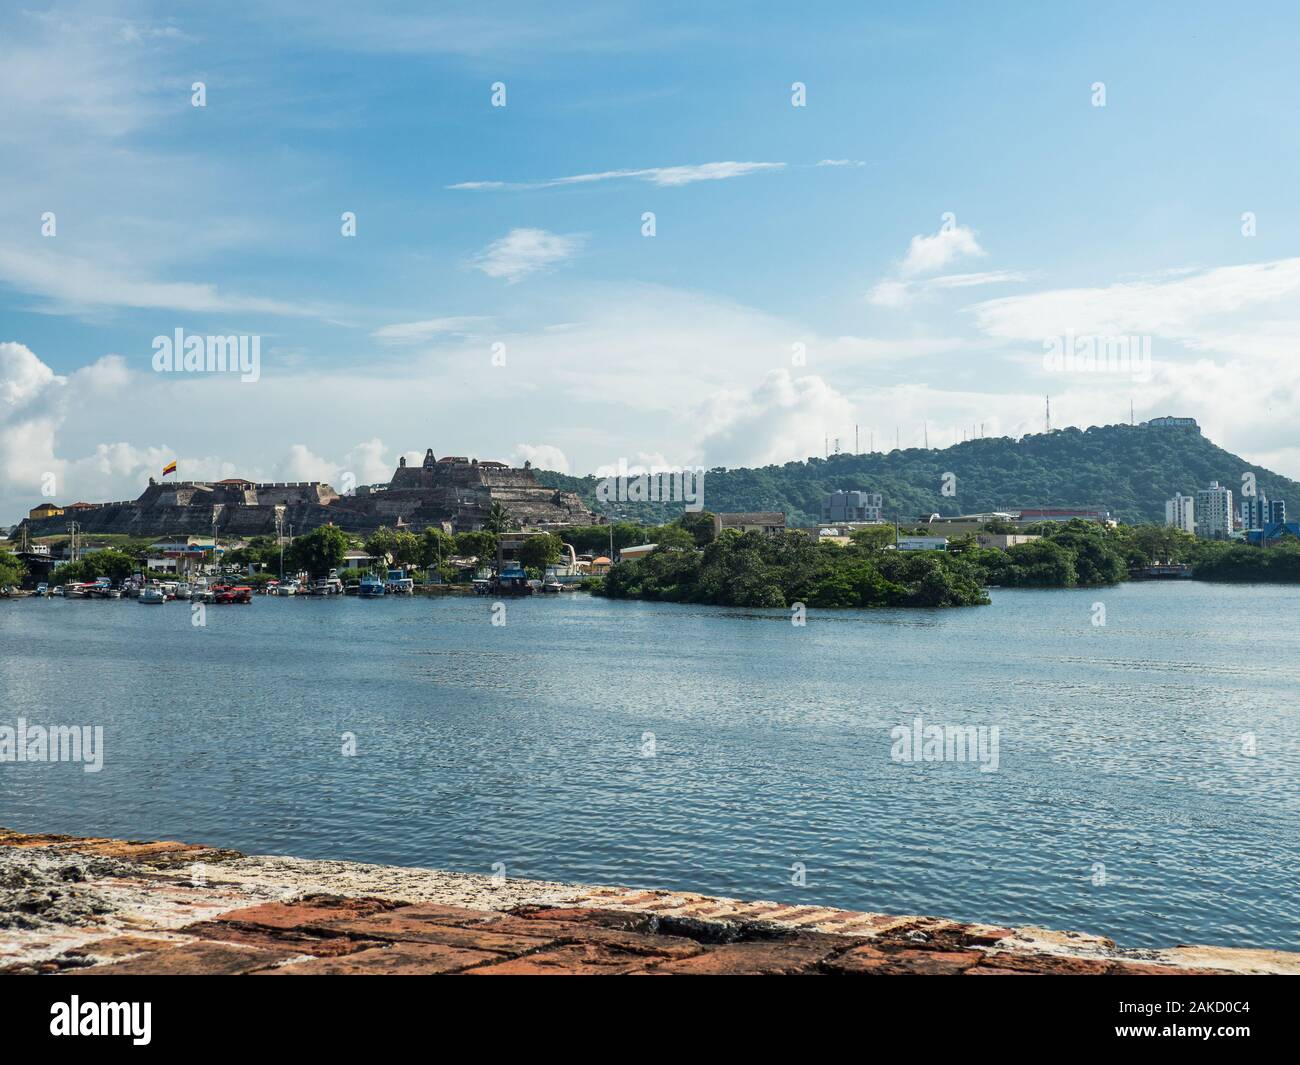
(525, 251)
(781, 418)
(926, 254)
(543, 456)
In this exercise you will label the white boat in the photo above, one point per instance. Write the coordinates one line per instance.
(398, 583)
(152, 594)
(183, 590)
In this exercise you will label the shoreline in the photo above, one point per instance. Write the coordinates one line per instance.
(105, 906)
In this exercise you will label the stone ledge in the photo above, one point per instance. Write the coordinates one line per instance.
(125, 907)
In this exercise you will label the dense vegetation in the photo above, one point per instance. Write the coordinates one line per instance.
(1130, 470)
(759, 571)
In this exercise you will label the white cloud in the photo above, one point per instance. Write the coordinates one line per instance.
(663, 176)
(1200, 309)
(782, 418)
(927, 254)
(415, 332)
(543, 456)
(74, 284)
(525, 251)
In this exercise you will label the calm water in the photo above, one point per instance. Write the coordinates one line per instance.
(523, 744)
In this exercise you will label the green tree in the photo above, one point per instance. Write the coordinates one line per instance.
(436, 547)
(499, 520)
(12, 570)
(321, 550)
(699, 524)
(538, 552)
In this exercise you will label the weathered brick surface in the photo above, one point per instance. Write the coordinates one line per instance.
(412, 959)
(783, 957)
(137, 914)
(869, 960)
(194, 959)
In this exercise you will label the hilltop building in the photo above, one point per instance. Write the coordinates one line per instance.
(1180, 513)
(453, 493)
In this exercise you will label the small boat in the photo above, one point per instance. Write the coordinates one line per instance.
(290, 587)
(152, 594)
(228, 593)
(371, 587)
(552, 587)
(183, 590)
(398, 583)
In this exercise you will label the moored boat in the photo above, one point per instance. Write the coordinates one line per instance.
(371, 587)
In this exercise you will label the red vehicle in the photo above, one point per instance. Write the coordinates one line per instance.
(227, 593)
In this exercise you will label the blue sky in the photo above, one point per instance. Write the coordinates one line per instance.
(821, 226)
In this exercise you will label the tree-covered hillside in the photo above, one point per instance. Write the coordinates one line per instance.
(1130, 470)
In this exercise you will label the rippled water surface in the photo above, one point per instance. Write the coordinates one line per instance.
(1119, 746)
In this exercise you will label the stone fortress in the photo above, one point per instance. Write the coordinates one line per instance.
(453, 493)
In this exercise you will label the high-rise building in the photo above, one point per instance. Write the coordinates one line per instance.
(1180, 512)
(851, 506)
(1254, 511)
(1214, 512)
(1277, 512)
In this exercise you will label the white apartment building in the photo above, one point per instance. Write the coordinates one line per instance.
(1180, 512)
(1214, 512)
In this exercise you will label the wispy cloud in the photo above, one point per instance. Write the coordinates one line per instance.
(525, 251)
(663, 176)
(74, 284)
(415, 332)
(925, 255)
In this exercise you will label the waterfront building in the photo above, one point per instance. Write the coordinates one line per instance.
(839, 507)
(1214, 512)
(764, 521)
(1180, 513)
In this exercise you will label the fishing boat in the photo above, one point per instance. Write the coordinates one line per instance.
(371, 587)
(183, 590)
(152, 594)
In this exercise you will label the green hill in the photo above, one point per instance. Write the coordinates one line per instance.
(1129, 470)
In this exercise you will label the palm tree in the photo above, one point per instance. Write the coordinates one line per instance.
(499, 520)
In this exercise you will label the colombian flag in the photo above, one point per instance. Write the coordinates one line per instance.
(169, 468)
